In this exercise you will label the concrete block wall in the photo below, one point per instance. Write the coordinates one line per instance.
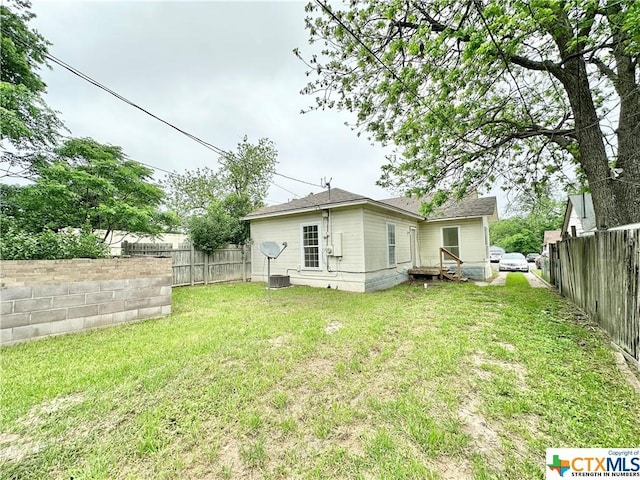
(47, 297)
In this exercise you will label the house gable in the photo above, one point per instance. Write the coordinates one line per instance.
(580, 214)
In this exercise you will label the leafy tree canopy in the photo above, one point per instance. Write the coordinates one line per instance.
(190, 193)
(87, 184)
(26, 122)
(221, 224)
(240, 184)
(248, 171)
(524, 232)
(473, 90)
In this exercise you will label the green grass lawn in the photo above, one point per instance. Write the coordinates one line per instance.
(451, 381)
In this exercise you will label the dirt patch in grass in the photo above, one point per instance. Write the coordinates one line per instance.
(480, 360)
(485, 438)
(448, 467)
(14, 447)
(493, 439)
(333, 327)
(280, 341)
(37, 415)
(230, 462)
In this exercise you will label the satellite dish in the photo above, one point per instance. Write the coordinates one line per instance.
(270, 249)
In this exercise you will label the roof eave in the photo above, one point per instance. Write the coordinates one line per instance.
(326, 206)
(466, 217)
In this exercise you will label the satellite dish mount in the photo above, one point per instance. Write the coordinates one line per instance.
(271, 250)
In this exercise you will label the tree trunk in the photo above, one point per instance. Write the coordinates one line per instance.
(608, 207)
(627, 182)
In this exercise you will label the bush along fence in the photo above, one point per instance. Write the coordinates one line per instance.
(46, 297)
(601, 274)
(194, 267)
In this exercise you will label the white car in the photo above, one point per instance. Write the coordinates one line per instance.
(513, 262)
(495, 255)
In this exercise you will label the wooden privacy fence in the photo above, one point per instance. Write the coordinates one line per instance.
(601, 274)
(193, 267)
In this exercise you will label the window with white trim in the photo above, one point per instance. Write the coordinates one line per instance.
(311, 246)
(451, 240)
(391, 244)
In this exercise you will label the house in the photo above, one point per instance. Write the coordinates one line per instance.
(579, 216)
(343, 240)
(550, 237)
(115, 238)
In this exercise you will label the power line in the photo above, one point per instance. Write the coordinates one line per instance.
(301, 181)
(205, 144)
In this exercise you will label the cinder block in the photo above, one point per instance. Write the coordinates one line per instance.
(6, 335)
(22, 333)
(69, 325)
(15, 320)
(31, 305)
(166, 310)
(136, 304)
(165, 290)
(161, 281)
(6, 308)
(84, 287)
(137, 283)
(126, 316)
(81, 312)
(69, 300)
(50, 290)
(98, 321)
(15, 293)
(111, 307)
(41, 330)
(113, 285)
(130, 293)
(48, 316)
(100, 297)
(160, 301)
(150, 312)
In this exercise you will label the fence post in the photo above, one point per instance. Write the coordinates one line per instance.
(206, 268)
(244, 262)
(192, 262)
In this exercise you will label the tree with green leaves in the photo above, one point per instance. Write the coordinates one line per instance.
(248, 171)
(221, 224)
(192, 192)
(532, 216)
(244, 173)
(91, 185)
(473, 90)
(27, 124)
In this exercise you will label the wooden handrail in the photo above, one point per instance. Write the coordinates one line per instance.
(458, 261)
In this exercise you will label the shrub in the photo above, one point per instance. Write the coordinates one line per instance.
(17, 244)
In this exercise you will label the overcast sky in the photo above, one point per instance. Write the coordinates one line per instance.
(219, 70)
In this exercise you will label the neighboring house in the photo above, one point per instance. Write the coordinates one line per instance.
(550, 236)
(343, 240)
(116, 237)
(579, 214)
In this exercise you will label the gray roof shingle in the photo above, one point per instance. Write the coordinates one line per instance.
(335, 196)
(468, 207)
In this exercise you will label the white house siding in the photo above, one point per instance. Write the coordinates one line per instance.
(379, 274)
(345, 272)
(471, 237)
(574, 220)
